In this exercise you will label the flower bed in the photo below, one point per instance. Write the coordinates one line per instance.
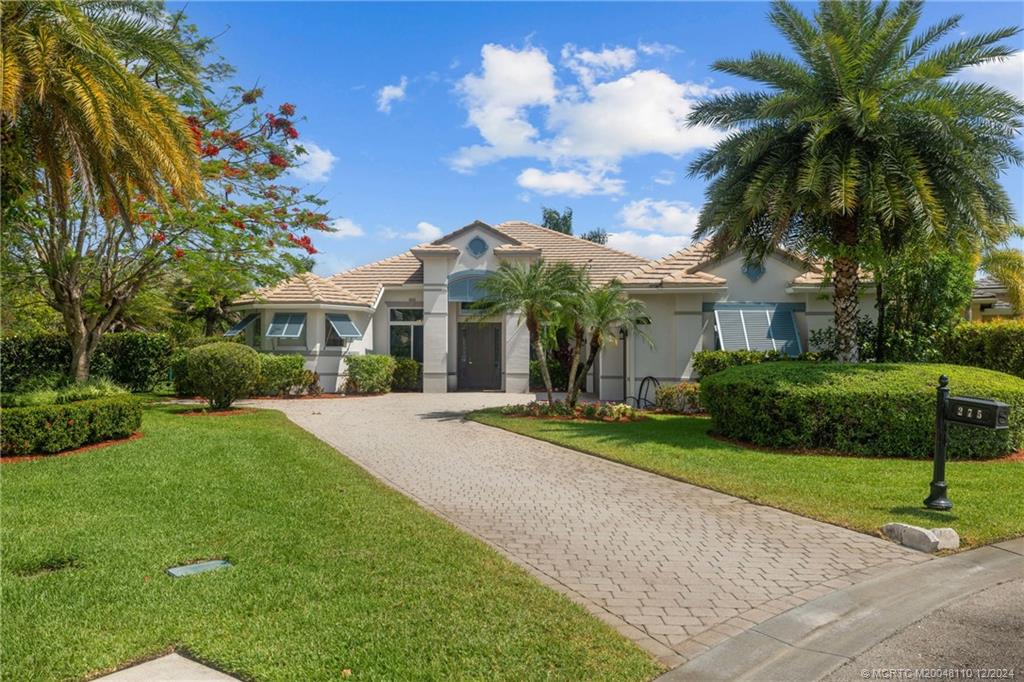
(610, 412)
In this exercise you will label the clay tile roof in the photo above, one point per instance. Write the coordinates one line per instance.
(427, 249)
(305, 288)
(677, 269)
(987, 287)
(366, 281)
(522, 249)
(603, 263)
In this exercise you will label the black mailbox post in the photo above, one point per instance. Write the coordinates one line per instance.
(989, 414)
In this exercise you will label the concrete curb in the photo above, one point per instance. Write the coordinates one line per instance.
(810, 641)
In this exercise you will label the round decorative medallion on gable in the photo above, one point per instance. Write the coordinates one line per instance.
(753, 271)
(477, 247)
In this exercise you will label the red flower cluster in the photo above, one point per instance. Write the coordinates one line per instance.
(217, 134)
(196, 130)
(304, 242)
(278, 160)
(239, 224)
(241, 145)
(291, 132)
(179, 253)
(159, 237)
(210, 150)
(287, 109)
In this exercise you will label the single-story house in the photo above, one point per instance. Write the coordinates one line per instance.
(418, 304)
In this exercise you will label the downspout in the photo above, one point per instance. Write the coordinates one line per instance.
(623, 336)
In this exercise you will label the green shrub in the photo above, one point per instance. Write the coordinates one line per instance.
(681, 398)
(280, 374)
(708, 362)
(136, 360)
(615, 412)
(559, 376)
(408, 373)
(992, 345)
(89, 390)
(885, 410)
(223, 372)
(369, 373)
(52, 428)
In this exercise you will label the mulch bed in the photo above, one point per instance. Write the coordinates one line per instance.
(77, 451)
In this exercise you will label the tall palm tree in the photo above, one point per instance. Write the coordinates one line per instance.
(603, 312)
(1006, 266)
(861, 134)
(537, 291)
(75, 80)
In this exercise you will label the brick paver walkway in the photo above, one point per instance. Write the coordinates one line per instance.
(674, 567)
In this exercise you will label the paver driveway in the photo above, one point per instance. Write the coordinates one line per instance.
(674, 567)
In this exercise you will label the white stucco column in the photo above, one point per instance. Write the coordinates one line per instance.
(435, 320)
(516, 362)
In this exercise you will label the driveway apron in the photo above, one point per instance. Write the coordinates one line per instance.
(674, 567)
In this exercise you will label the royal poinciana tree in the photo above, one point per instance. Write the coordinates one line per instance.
(121, 167)
(863, 134)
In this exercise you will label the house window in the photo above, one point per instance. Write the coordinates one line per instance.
(288, 329)
(477, 247)
(242, 325)
(339, 330)
(757, 328)
(406, 333)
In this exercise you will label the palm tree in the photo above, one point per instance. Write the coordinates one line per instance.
(862, 134)
(603, 312)
(75, 78)
(82, 98)
(1006, 266)
(536, 291)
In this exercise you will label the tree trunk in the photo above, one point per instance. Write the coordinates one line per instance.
(80, 361)
(538, 347)
(846, 283)
(880, 302)
(577, 350)
(581, 378)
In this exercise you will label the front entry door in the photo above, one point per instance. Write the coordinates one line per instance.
(479, 356)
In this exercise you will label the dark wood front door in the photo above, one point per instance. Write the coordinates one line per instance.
(479, 356)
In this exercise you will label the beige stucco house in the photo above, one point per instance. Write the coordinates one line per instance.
(415, 305)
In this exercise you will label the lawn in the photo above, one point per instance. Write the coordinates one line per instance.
(333, 571)
(858, 493)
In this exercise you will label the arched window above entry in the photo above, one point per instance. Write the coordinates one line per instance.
(462, 286)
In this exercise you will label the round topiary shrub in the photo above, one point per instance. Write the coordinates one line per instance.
(408, 373)
(885, 410)
(222, 372)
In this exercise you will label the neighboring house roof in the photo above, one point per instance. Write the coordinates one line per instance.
(988, 287)
(603, 263)
(305, 288)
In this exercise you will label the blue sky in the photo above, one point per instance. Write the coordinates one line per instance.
(424, 117)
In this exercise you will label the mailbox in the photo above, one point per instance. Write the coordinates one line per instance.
(990, 414)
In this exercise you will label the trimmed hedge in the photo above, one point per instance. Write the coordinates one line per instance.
(407, 376)
(53, 428)
(369, 373)
(885, 410)
(997, 345)
(223, 372)
(683, 398)
(136, 360)
(707, 362)
(608, 412)
(89, 390)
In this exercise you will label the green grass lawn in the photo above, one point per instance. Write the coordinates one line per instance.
(859, 493)
(333, 571)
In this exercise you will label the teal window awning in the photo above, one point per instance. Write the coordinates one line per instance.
(287, 326)
(758, 328)
(343, 326)
(242, 325)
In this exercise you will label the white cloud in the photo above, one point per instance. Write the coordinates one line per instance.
(391, 93)
(665, 177)
(1007, 74)
(589, 65)
(315, 165)
(327, 264)
(496, 99)
(583, 129)
(424, 232)
(657, 49)
(343, 228)
(647, 245)
(675, 217)
(573, 183)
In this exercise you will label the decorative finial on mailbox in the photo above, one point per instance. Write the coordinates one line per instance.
(943, 381)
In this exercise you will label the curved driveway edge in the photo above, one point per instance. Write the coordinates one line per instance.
(817, 638)
(673, 567)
